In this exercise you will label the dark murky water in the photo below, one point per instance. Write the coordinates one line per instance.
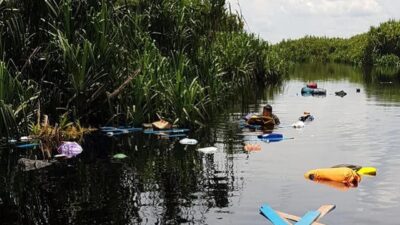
(163, 182)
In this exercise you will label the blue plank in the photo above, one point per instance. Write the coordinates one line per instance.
(176, 135)
(272, 139)
(131, 129)
(308, 218)
(268, 212)
(107, 128)
(165, 131)
(32, 145)
(271, 136)
(120, 129)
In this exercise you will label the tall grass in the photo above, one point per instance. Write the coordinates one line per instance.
(16, 101)
(191, 55)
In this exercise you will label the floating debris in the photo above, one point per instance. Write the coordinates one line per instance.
(28, 146)
(341, 178)
(273, 137)
(341, 93)
(281, 218)
(312, 85)
(312, 91)
(152, 131)
(30, 164)
(25, 138)
(252, 147)
(370, 171)
(298, 124)
(208, 150)
(69, 149)
(306, 117)
(120, 156)
(162, 125)
(188, 141)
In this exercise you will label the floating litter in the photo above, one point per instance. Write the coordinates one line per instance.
(208, 150)
(70, 149)
(120, 156)
(298, 124)
(188, 141)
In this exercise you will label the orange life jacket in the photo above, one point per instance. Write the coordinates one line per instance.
(343, 175)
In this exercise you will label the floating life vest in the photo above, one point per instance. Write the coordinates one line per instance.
(312, 85)
(342, 175)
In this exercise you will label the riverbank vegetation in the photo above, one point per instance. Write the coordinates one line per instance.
(124, 61)
(380, 47)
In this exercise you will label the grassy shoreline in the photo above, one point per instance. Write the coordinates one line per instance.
(80, 57)
(379, 47)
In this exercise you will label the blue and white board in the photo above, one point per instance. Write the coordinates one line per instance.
(309, 218)
(270, 214)
(151, 131)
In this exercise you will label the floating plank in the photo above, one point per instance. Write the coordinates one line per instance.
(120, 129)
(294, 218)
(165, 131)
(325, 209)
(107, 128)
(131, 129)
(173, 135)
(270, 214)
(309, 218)
(275, 139)
(32, 145)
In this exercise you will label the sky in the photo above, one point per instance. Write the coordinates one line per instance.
(275, 20)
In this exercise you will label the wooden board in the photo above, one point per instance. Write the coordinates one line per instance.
(325, 209)
(270, 214)
(294, 218)
(309, 218)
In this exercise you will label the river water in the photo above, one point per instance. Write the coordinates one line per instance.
(163, 182)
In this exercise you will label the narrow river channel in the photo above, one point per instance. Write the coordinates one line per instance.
(163, 182)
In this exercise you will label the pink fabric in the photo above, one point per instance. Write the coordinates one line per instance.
(70, 149)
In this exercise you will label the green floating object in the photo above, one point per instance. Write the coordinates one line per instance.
(120, 156)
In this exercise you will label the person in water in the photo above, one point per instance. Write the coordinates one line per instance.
(267, 120)
(267, 112)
